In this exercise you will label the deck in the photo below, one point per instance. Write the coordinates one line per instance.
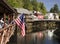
(6, 33)
(45, 20)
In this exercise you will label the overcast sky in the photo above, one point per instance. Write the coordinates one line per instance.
(50, 3)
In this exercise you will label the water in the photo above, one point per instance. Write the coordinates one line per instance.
(50, 33)
(37, 38)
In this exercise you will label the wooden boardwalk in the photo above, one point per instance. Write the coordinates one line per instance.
(45, 20)
(42, 24)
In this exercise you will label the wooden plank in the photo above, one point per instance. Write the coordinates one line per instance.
(44, 20)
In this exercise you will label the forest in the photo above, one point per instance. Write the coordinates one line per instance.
(33, 5)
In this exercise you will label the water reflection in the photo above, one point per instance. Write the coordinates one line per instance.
(37, 38)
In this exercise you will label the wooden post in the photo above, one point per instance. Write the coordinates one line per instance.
(8, 19)
(4, 19)
(58, 25)
(11, 18)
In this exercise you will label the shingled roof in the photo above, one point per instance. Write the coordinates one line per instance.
(22, 10)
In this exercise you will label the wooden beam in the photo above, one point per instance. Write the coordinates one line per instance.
(8, 19)
(11, 17)
(4, 19)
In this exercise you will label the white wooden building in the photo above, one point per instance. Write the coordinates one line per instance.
(52, 16)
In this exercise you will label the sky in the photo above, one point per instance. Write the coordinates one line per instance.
(50, 3)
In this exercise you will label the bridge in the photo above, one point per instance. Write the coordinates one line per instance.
(43, 24)
(45, 20)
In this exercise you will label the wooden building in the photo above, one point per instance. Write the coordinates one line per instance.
(8, 14)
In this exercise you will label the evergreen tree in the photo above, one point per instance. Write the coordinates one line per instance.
(35, 4)
(28, 5)
(51, 10)
(42, 8)
(54, 9)
(15, 3)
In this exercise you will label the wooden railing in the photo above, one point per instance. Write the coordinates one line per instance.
(6, 33)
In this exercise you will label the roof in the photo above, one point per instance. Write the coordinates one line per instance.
(22, 10)
(4, 7)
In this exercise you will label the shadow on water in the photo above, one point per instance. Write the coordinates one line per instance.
(33, 38)
(37, 38)
(12, 40)
(56, 39)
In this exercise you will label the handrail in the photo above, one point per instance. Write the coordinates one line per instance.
(6, 33)
(7, 26)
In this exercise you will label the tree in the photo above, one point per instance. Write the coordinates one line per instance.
(15, 3)
(51, 10)
(42, 8)
(35, 5)
(28, 5)
(54, 9)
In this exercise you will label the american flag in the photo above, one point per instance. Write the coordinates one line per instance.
(20, 22)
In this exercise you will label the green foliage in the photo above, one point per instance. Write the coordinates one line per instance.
(30, 7)
(54, 9)
(42, 8)
(34, 3)
(51, 10)
(28, 4)
(38, 6)
(15, 3)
